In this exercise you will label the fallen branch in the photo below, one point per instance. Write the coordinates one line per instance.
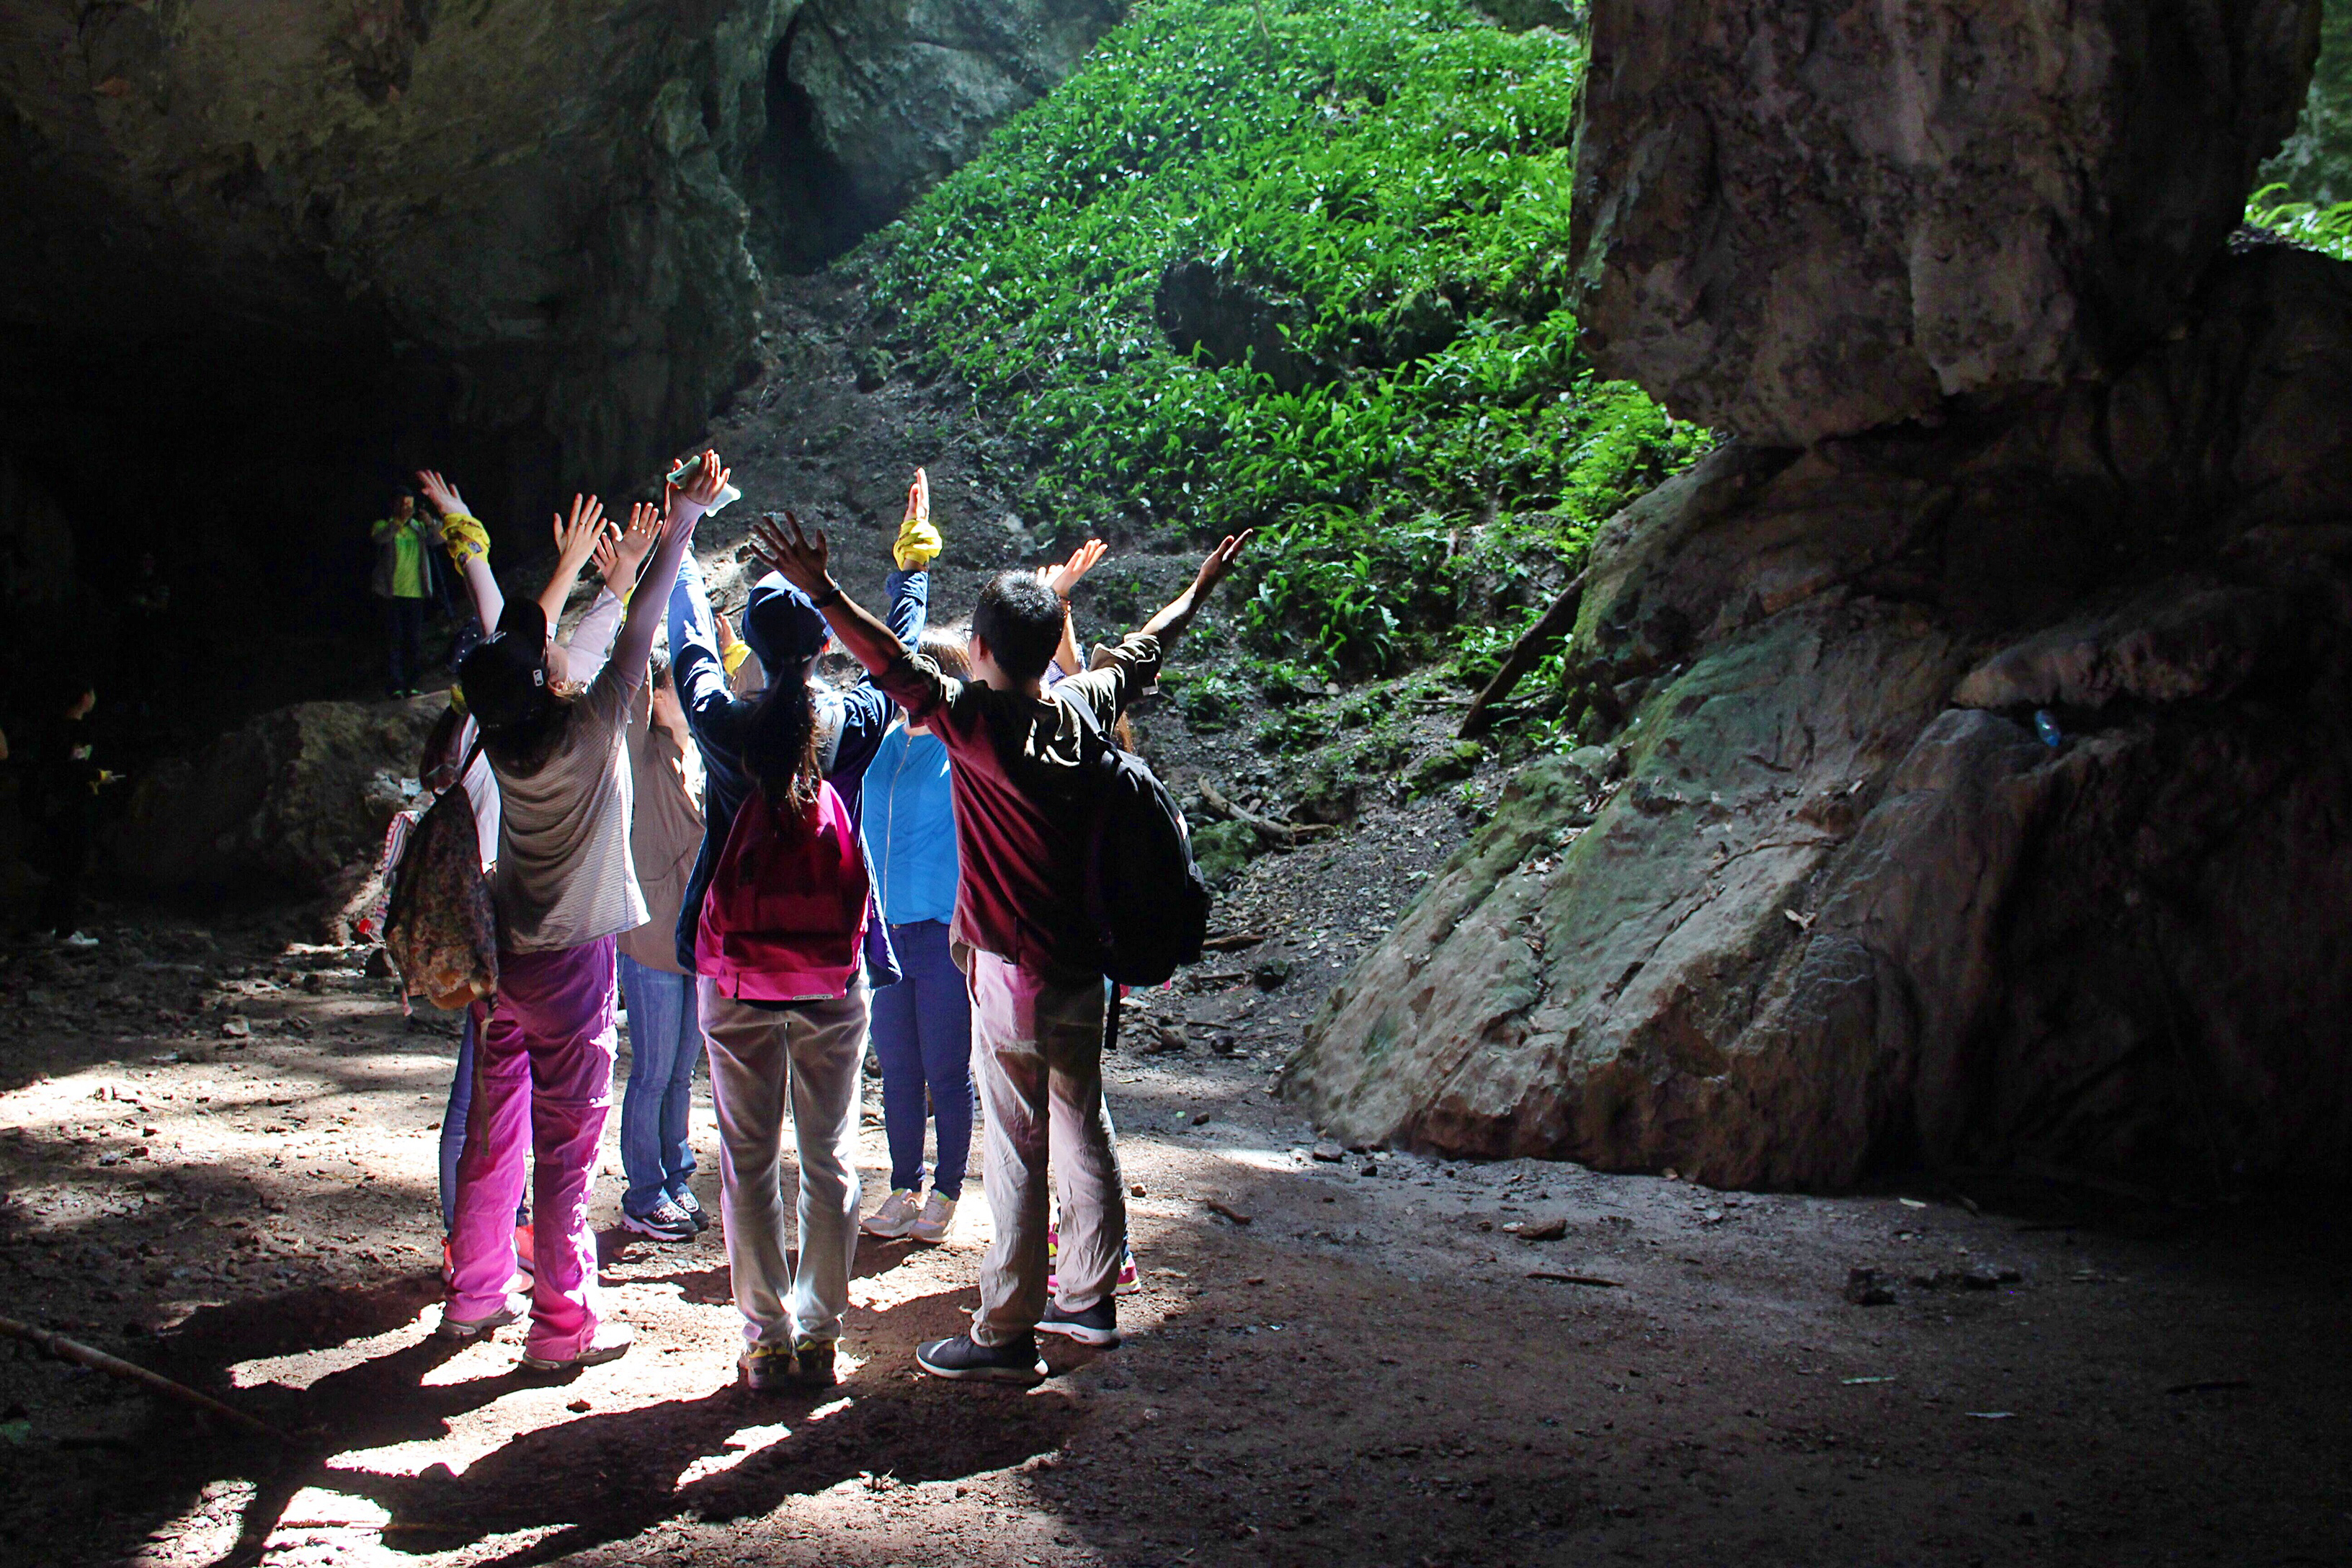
(1525, 654)
(1284, 835)
(1593, 1280)
(1233, 942)
(1227, 1210)
(81, 1354)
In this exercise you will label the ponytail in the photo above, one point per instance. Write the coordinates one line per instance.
(779, 749)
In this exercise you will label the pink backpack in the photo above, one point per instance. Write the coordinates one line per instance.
(785, 915)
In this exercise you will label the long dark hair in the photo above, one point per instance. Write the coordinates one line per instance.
(779, 747)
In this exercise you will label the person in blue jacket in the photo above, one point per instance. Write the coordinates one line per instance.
(922, 1027)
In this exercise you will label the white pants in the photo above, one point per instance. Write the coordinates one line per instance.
(810, 1052)
(1036, 1050)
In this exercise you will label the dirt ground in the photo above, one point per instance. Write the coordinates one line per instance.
(218, 1151)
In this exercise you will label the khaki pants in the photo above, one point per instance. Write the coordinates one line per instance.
(811, 1053)
(1037, 1049)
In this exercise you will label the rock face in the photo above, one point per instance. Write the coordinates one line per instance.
(291, 801)
(1831, 901)
(901, 91)
(531, 214)
(1799, 219)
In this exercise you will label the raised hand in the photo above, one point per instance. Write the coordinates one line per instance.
(1064, 579)
(918, 541)
(1220, 562)
(576, 540)
(621, 553)
(703, 488)
(786, 548)
(441, 493)
(726, 630)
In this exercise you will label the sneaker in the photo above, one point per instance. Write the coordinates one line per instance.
(610, 1342)
(1098, 1325)
(469, 1330)
(891, 1221)
(813, 1364)
(684, 1198)
(1129, 1282)
(930, 1226)
(79, 938)
(959, 1358)
(766, 1368)
(664, 1222)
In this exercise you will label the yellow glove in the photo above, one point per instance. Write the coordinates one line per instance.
(465, 538)
(732, 660)
(917, 539)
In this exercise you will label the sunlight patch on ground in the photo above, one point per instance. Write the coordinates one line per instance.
(737, 1447)
(304, 1368)
(206, 1531)
(1283, 1159)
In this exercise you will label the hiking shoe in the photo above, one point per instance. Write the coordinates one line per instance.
(1098, 1325)
(684, 1198)
(959, 1358)
(930, 1226)
(1128, 1281)
(526, 1251)
(891, 1221)
(766, 1368)
(664, 1222)
(610, 1342)
(813, 1364)
(469, 1330)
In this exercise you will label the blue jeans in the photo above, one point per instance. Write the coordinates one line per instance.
(922, 1033)
(453, 1132)
(665, 1042)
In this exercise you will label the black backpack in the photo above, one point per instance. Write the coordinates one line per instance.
(1145, 899)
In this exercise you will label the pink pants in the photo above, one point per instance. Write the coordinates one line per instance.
(542, 1075)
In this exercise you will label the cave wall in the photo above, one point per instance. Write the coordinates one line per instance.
(1802, 220)
(1969, 751)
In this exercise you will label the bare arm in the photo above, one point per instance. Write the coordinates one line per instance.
(470, 548)
(575, 541)
(1064, 580)
(1177, 614)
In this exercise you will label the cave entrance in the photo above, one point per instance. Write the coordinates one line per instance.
(806, 207)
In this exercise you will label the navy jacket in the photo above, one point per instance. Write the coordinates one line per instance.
(719, 720)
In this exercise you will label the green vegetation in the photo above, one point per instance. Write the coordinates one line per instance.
(2328, 228)
(2315, 164)
(1353, 216)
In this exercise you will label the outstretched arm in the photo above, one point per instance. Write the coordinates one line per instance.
(685, 508)
(575, 541)
(468, 544)
(1064, 580)
(1177, 614)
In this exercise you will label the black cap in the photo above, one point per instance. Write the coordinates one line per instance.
(505, 677)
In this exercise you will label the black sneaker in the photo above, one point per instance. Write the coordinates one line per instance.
(958, 1357)
(1098, 1325)
(766, 1368)
(813, 1364)
(664, 1222)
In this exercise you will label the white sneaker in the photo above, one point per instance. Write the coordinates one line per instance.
(894, 1218)
(930, 1226)
(78, 939)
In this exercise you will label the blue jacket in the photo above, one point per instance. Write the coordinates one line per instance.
(912, 830)
(719, 720)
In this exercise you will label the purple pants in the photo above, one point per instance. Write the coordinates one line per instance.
(543, 1075)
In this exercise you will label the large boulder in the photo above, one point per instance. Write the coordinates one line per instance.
(291, 802)
(1832, 900)
(1799, 219)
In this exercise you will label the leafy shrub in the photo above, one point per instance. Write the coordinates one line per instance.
(1354, 215)
(2324, 229)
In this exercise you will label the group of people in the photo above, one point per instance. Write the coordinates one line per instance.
(779, 870)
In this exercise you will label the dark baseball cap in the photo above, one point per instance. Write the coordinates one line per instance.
(781, 625)
(505, 677)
